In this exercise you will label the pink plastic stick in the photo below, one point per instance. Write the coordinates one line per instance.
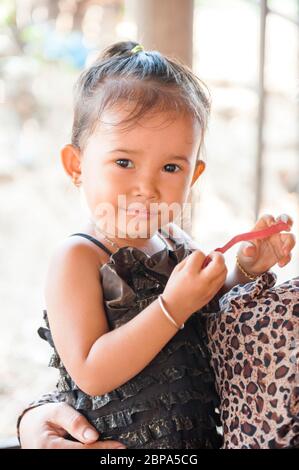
(266, 232)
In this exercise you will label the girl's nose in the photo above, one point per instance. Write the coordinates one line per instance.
(147, 188)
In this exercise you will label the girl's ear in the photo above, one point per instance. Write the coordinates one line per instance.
(70, 158)
(199, 169)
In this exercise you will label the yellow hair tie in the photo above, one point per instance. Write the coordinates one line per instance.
(138, 48)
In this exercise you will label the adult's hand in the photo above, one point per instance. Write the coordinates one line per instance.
(46, 427)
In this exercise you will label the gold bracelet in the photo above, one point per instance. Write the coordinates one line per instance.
(252, 277)
(167, 314)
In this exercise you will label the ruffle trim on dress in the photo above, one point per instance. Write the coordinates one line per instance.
(126, 257)
(173, 428)
(117, 273)
(202, 381)
(158, 429)
(164, 401)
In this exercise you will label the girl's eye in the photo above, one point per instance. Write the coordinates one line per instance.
(172, 165)
(123, 160)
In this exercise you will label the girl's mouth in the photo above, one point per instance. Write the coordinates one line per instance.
(141, 214)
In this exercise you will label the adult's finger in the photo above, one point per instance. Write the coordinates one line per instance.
(284, 261)
(74, 423)
(248, 249)
(286, 219)
(266, 220)
(288, 241)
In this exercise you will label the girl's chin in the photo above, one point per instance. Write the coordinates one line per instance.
(141, 216)
(140, 228)
(141, 219)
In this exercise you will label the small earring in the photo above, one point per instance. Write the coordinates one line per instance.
(75, 180)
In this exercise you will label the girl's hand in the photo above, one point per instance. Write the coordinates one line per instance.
(260, 255)
(189, 287)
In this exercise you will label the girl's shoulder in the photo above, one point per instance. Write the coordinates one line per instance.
(72, 274)
(76, 247)
(71, 258)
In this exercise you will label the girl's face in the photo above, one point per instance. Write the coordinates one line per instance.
(152, 162)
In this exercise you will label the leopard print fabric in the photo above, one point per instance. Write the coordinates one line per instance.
(253, 342)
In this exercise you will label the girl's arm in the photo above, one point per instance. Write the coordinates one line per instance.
(97, 359)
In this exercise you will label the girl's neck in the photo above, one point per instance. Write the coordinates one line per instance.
(151, 244)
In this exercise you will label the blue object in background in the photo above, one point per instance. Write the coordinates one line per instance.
(66, 47)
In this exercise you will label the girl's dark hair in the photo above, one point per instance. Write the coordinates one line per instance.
(149, 80)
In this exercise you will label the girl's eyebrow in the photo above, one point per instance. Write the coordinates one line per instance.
(132, 151)
(125, 151)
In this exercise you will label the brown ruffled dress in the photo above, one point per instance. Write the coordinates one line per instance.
(171, 403)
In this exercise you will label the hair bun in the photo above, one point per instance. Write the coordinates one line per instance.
(122, 48)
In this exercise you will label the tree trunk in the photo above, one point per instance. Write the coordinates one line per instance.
(166, 25)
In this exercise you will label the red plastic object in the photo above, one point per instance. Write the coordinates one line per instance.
(243, 237)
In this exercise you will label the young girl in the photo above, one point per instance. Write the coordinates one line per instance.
(123, 311)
